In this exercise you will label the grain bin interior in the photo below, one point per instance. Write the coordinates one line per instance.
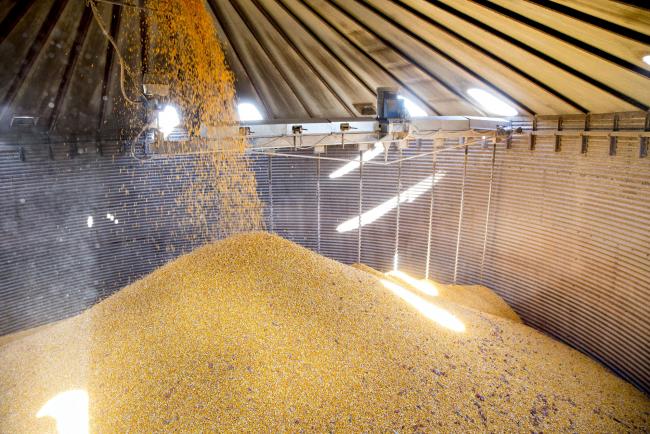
(310, 215)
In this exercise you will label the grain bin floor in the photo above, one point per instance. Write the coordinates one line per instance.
(255, 333)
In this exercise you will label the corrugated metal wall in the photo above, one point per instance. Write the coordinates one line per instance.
(567, 241)
(53, 264)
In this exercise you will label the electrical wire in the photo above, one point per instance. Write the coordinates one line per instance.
(135, 141)
(123, 66)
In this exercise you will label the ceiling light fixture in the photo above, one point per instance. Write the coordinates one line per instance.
(168, 119)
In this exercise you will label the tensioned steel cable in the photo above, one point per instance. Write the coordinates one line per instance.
(460, 214)
(431, 202)
(487, 212)
(360, 205)
(399, 192)
(318, 205)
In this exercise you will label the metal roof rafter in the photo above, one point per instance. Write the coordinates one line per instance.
(491, 55)
(300, 54)
(369, 57)
(596, 83)
(438, 51)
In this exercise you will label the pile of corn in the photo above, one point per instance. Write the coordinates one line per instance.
(254, 333)
(476, 297)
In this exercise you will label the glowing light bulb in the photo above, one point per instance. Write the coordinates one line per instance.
(168, 119)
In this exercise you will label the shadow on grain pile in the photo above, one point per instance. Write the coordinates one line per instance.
(256, 333)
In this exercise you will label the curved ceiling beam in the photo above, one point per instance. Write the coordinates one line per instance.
(216, 12)
(598, 22)
(34, 51)
(13, 17)
(326, 47)
(253, 30)
(564, 37)
(300, 54)
(541, 55)
(491, 55)
(73, 58)
(369, 57)
(116, 18)
(441, 53)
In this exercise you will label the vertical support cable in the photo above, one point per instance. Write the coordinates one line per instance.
(360, 205)
(487, 213)
(270, 173)
(318, 205)
(431, 200)
(460, 213)
(399, 192)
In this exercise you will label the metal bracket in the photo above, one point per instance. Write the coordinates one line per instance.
(613, 140)
(585, 139)
(531, 135)
(509, 138)
(558, 138)
(643, 142)
(297, 132)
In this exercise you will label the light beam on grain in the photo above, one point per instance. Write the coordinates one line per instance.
(437, 314)
(425, 287)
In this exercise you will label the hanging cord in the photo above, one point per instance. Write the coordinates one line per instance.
(123, 67)
(134, 143)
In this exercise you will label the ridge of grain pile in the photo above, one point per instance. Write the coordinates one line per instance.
(476, 297)
(255, 333)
